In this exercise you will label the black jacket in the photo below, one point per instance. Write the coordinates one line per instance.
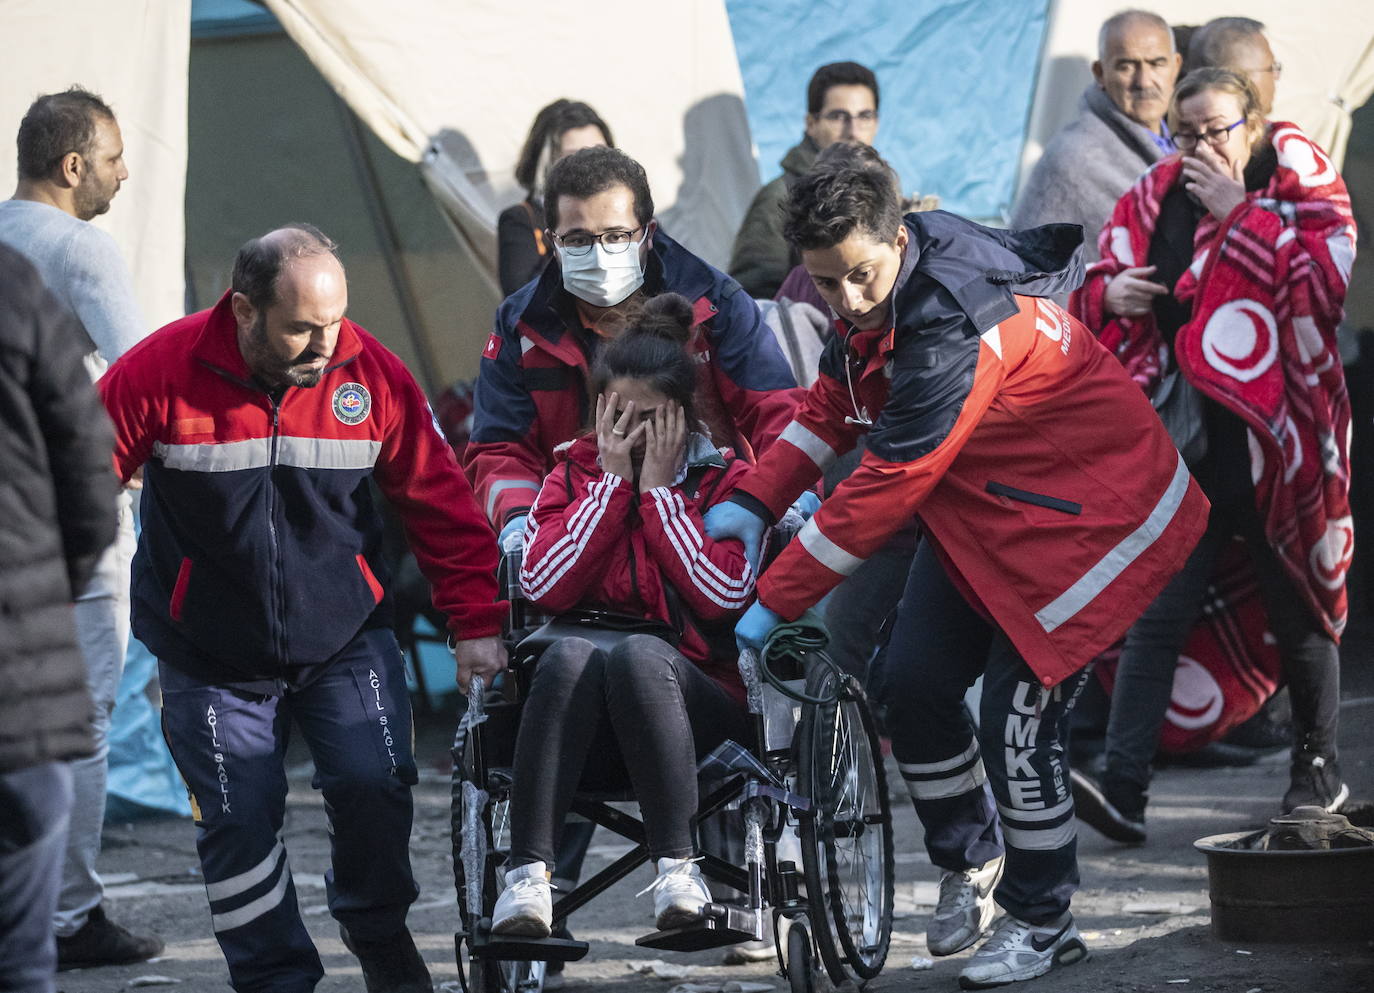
(57, 515)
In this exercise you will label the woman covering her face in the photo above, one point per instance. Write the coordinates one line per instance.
(617, 527)
(1220, 288)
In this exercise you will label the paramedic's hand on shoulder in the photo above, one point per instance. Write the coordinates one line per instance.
(480, 658)
(516, 525)
(731, 520)
(807, 504)
(755, 626)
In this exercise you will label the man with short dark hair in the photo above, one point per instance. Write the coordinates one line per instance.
(58, 520)
(1238, 44)
(259, 585)
(841, 105)
(1118, 133)
(1046, 534)
(71, 165)
(610, 256)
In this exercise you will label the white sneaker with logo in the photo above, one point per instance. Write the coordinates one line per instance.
(1018, 950)
(679, 893)
(525, 907)
(965, 908)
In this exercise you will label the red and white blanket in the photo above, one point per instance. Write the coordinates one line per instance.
(1267, 286)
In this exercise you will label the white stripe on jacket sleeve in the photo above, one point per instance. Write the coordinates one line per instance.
(722, 589)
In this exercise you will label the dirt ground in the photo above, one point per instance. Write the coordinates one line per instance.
(1143, 911)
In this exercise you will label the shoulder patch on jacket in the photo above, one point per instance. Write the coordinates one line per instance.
(493, 348)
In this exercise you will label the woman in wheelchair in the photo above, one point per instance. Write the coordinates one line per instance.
(617, 528)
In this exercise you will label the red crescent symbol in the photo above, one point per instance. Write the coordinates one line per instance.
(1261, 342)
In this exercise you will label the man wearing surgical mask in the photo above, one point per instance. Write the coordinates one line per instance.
(531, 393)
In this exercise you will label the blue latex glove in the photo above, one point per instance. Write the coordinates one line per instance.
(513, 525)
(807, 504)
(755, 626)
(730, 520)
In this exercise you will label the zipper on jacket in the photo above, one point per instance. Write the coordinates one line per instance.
(278, 594)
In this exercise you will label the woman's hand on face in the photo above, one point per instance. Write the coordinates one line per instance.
(663, 444)
(1130, 294)
(614, 439)
(1219, 186)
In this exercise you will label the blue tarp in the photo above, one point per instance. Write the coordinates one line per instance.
(957, 80)
(230, 19)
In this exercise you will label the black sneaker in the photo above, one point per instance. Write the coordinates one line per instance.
(1117, 812)
(390, 966)
(103, 942)
(1315, 781)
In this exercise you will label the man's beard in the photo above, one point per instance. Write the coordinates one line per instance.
(89, 200)
(267, 366)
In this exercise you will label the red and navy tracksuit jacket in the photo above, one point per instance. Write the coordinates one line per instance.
(592, 539)
(1038, 468)
(261, 548)
(531, 391)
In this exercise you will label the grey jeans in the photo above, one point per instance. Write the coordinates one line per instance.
(102, 627)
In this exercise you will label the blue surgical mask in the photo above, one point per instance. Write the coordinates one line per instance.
(602, 278)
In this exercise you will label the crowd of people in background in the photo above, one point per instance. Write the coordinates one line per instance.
(1163, 306)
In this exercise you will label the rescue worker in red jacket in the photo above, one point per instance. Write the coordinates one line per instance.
(258, 583)
(1054, 506)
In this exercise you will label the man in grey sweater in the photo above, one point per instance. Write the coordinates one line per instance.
(71, 165)
(1118, 134)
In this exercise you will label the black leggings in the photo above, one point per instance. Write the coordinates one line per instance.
(643, 712)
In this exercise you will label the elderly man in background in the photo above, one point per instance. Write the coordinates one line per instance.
(1238, 44)
(1118, 134)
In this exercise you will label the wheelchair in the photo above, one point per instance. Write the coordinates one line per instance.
(812, 778)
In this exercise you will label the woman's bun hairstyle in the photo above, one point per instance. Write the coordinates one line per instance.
(668, 315)
(653, 349)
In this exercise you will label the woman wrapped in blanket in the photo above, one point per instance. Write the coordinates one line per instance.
(1221, 284)
(617, 526)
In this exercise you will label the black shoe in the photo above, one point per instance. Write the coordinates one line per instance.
(1315, 781)
(1119, 812)
(390, 966)
(103, 942)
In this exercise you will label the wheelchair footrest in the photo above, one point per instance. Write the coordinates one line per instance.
(517, 948)
(720, 925)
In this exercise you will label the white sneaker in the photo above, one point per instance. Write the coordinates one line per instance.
(679, 893)
(525, 906)
(1018, 950)
(965, 908)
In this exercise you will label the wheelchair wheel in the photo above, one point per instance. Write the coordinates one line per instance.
(800, 978)
(847, 841)
(487, 827)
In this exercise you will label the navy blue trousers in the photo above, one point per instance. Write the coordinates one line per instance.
(1002, 786)
(35, 804)
(230, 748)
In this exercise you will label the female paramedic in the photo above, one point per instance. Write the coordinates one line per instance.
(1054, 508)
(616, 533)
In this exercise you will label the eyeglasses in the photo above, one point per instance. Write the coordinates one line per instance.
(1186, 141)
(845, 117)
(1276, 69)
(580, 242)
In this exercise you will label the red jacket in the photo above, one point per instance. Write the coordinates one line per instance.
(531, 393)
(606, 545)
(261, 549)
(1048, 483)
